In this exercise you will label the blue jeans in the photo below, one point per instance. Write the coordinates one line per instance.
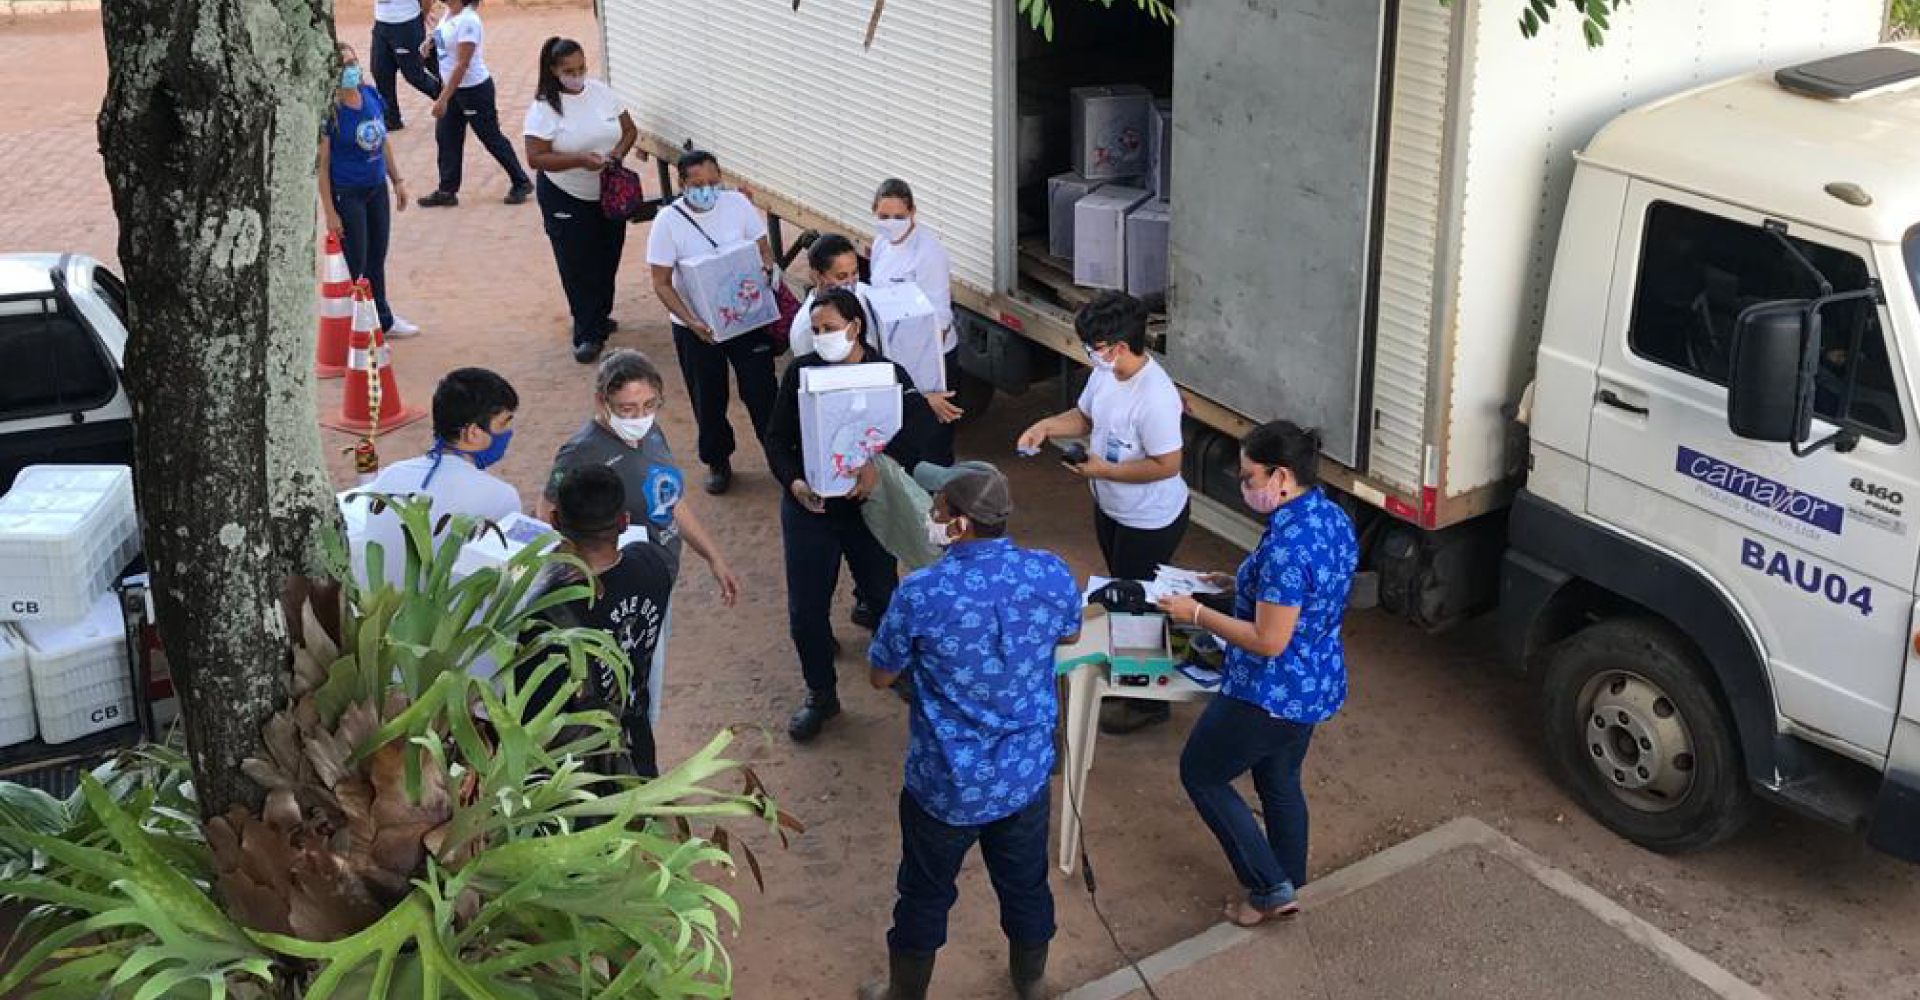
(365, 224)
(1232, 738)
(931, 852)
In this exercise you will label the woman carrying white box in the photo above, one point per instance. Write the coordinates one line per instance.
(906, 251)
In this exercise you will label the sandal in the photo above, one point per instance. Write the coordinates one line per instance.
(1241, 913)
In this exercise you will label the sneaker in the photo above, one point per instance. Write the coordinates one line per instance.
(864, 616)
(519, 194)
(400, 329)
(588, 352)
(438, 199)
(812, 716)
(719, 477)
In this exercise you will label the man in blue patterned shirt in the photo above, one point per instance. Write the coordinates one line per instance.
(975, 634)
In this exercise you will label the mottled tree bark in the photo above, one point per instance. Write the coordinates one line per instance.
(208, 131)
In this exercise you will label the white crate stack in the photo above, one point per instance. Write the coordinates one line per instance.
(16, 690)
(66, 534)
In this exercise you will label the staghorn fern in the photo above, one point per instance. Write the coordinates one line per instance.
(406, 849)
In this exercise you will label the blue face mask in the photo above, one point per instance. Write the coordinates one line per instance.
(495, 450)
(704, 197)
(350, 78)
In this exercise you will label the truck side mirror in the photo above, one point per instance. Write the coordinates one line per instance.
(1770, 384)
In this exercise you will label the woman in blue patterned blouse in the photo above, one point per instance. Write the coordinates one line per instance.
(1285, 669)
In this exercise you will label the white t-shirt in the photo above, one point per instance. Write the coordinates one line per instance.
(800, 334)
(732, 219)
(448, 36)
(588, 122)
(923, 261)
(395, 11)
(1136, 419)
(457, 488)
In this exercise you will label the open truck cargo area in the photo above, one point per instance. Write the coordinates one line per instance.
(1623, 340)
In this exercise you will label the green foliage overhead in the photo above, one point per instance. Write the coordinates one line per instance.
(1039, 13)
(407, 847)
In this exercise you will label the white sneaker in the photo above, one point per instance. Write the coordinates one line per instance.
(400, 329)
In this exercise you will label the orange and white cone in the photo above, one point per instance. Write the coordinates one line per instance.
(336, 312)
(371, 405)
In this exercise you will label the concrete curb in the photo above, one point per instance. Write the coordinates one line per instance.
(1464, 832)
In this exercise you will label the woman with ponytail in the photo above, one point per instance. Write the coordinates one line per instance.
(1285, 669)
(576, 128)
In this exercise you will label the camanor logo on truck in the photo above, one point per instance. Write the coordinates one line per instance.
(1806, 574)
(1789, 507)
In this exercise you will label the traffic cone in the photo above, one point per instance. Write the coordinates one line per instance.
(371, 404)
(336, 312)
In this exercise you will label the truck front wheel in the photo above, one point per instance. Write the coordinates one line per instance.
(1635, 731)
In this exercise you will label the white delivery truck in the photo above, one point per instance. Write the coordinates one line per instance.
(1623, 340)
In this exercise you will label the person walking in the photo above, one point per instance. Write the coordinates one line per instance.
(575, 129)
(633, 587)
(399, 33)
(624, 435)
(703, 219)
(1130, 411)
(356, 166)
(818, 533)
(974, 635)
(906, 251)
(467, 101)
(1285, 669)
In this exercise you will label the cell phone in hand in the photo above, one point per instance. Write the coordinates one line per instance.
(1074, 454)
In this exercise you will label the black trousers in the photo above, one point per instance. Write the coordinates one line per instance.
(939, 445)
(704, 366)
(1136, 553)
(396, 47)
(815, 544)
(473, 107)
(365, 225)
(586, 249)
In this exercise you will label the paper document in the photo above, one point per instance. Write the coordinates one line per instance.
(1172, 581)
(1138, 631)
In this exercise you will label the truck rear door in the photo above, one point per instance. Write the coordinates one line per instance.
(1818, 551)
(1276, 109)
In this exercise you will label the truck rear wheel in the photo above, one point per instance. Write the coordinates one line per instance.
(1636, 732)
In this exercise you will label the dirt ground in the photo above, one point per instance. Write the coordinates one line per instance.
(1434, 729)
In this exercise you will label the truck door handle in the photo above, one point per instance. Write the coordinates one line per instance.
(1611, 398)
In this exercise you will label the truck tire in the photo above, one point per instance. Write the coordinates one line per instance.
(972, 394)
(1635, 730)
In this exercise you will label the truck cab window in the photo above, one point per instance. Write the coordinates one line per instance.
(1699, 271)
(49, 363)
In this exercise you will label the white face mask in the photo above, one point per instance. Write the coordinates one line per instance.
(573, 83)
(833, 346)
(937, 532)
(1099, 361)
(892, 230)
(630, 429)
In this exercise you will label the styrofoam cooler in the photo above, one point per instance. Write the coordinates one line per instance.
(16, 690)
(1100, 236)
(517, 531)
(81, 683)
(66, 533)
(1063, 192)
(848, 413)
(1147, 231)
(910, 333)
(1110, 126)
(729, 289)
(1160, 150)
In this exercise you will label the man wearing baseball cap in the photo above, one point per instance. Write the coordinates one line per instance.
(974, 633)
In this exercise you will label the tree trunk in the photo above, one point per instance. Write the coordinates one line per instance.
(208, 131)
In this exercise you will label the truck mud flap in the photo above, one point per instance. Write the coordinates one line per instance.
(1895, 826)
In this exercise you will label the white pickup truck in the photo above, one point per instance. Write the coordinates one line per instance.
(1625, 342)
(62, 336)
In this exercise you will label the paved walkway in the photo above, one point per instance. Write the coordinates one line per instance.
(1458, 912)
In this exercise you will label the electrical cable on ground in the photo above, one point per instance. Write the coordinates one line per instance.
(1093, 897)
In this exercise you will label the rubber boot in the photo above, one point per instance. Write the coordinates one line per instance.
(908, 975)
(1027, 965)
